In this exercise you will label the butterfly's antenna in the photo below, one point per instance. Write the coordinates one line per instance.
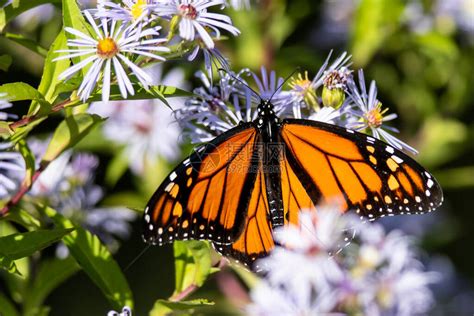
(137, 257)
(284, 81)
(242, 82)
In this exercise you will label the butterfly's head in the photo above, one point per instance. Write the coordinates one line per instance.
(266, 113)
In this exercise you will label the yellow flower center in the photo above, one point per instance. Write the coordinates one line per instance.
(302, 86)
(187, 11)
(137, 8)
(107, 48)
(374, 117)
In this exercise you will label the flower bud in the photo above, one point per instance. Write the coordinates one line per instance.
(333, 97)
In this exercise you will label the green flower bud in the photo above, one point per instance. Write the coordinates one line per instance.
(333, 97)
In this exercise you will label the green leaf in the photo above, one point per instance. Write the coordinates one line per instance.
(16, 246)
(7, 308)
(374, 21)
(72, 17)
(96, 260)
(8, 264)
(5, 130)
(193, 264)
(50, 275)
(23, 218)
(164, 307)
(154, 92)
(20, 91)
(29, 162)
(70, 132)
(5, 62)
(27, 43)
(51, 71)
(12, 11)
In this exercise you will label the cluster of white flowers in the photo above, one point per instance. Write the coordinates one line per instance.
(318, 270)
(332, 96)
(68, 185)
(127, 36)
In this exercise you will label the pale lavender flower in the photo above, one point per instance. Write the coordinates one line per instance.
(67, 184)
(455, 13)
(304, 92)
(12, 170)
(4, 104)
(270, 87)
(128, 10)
(239, 4)
(146, 128)
(212, 57)
(126, 311)
(193, 18)
(367, 110)
(35, 16)
(217, 107)
(113, 46)
(375, 274)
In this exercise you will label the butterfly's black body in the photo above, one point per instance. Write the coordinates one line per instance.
(385, 182)
(271, 150)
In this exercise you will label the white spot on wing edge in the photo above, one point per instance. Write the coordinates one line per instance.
(389, 149)
(173, 176)
(429, 183)
(349, 131)
(146, 209)
(147, 218)
(169, 186)
(187, 162)
(397, 159)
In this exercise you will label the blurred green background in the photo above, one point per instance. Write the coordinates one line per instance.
(421, 54)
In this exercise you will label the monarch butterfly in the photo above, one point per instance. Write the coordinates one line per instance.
(236, 189)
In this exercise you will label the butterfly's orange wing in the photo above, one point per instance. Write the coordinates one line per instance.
(206, 196)
(338, 165)
(256, 239)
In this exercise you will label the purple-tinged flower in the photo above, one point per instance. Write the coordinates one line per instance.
(270, 87)
(306, 97)
(239, 4)
(113, 47)
(4, 104)
(146, 128)
(194, 18)
(35, 16)
(370, 115)
(217, 107)
(128, 11)
(212, 58)
(67, 185)
(12, 170)
(375, 274)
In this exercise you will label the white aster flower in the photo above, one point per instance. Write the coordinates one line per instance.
(377, 274)
(113, 46)
(368, 109)
(12, 169)
(4, 104)
(146, 128)
(193, 17)
(130, 11)
(239, 4)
